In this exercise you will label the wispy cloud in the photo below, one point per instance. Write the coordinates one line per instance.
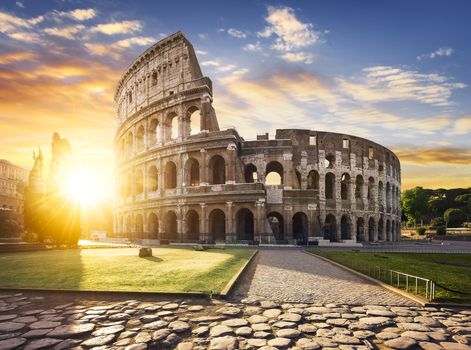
(10, 23)
(116, 49)
(79, 14)
(28, 37)
(461, 126)
(441, 52)
(306, 58)
(65, 32)
(236, 33)
(12, 57)
(123, 27)
(256, 47)
(424, 156)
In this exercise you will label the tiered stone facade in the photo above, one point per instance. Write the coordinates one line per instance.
(181, 178)
(12, 180)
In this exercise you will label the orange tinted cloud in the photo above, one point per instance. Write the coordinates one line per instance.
(444, 155)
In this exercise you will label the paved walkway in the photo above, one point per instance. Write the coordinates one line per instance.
(293, 276)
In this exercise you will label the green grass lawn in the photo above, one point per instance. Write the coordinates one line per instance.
(120, 269)
(450, 270)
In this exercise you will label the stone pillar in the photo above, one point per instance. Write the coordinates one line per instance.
(351, 194)
(230, 179)
(205, 113)
(289, 221)
(365, 195)
(161, 131)
(160, 176)
(203, 223)
(288, 170)
(322, 216)
(230, 229)
(179, 213)
(338, 227)
(322, 191)
(259, 221)
(204, 168)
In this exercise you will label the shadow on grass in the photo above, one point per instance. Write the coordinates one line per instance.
(153, 258)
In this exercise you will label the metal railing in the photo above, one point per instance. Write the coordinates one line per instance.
(411, 283)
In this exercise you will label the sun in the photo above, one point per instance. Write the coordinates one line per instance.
(84, 185)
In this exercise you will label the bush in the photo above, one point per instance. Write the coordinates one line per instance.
(441, 230)
(454, 217)
(439, 221)
(421, 231)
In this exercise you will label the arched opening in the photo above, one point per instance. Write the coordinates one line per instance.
(250, 173)
(244, 225)
(329, 186)
(171, 226)
(388, 197)
(313, 180)
(381, 196)
(388, 230)
(192, 226)
(192, 172)
(330, 228)
(329, 161)
(298, 185)
(359, 187)
(139, 182)
(170, 175)
(140, 138)
(153, 226)
(217, 225)
(345, 233)
(344, 186)
(300, 228)
(139, 227)
(129, 144)
(194, 118)
(360, 230)
(172, 126)
(393, 231)
(217, 169)
(154, 131)
(371, 230)
(274, 173)
(370, 194)
(153, 179)
(277, 225)
(381, 230)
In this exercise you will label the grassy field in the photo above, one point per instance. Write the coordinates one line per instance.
(120, 269)
(450, 270)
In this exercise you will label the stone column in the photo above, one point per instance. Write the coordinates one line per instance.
(179, 213)
(365, 195)
(230, 179)
(160, 176)
(322, 216)
(338, 226)
(145, 181)
(230, 229)
(289, 222)
(288, 170)
(203, 223)
(161, 130)
(204, 168)
(205, 112)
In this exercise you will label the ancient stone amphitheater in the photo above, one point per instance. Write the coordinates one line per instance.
(182, 179)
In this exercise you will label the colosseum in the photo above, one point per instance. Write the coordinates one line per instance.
(180, 178)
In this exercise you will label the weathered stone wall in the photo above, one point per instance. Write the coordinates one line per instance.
(180, 178)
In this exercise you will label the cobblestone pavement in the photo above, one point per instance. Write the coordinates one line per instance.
(294, 276)
(34, 321)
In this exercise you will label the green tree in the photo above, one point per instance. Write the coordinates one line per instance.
(9, 227)
(414, 204)
(454, 217)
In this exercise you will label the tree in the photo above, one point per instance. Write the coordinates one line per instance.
(414, 203)
(454, 217)
(9, 227)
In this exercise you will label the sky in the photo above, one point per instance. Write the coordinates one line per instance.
(396, 72)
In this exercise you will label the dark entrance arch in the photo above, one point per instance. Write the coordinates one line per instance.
(300, 227)
(217, 225)
(360, 230)
(192, 226)
(217, 166)
(277, 225)
(171, 226)
(330, 228)
(345, 228)
(250, 173)
(381, 230)
(371, 230)
(244, 225)
(153, 226)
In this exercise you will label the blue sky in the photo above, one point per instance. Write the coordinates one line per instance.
(396, 72)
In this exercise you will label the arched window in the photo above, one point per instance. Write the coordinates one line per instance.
(370, 194)
(250, 173)
(139, 182)
(371, 230)
(381, 196)
(344, 186)
(329, 186)
(330, 228)
(192, 172)
(170, 175)
(388, 197)
(217, 225)
(153, 179)
(277, 225)
(194, 119)
(300, 227)
(140, 138)
(359, 187)
(329, 161)
(244, 225)
(192, 226)
(381, 236)
(154, 131)
(274, 174)
(360, 230)
(171, 226)
(153, 226)
(345, 233)
(139, 229)
(313, 180)
(217, 169)
(172, 127)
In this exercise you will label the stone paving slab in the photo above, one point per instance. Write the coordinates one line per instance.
(294, 276)
(248, 324)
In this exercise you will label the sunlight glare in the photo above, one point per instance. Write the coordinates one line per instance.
(84, 185)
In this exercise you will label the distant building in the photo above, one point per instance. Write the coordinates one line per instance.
(12, 181)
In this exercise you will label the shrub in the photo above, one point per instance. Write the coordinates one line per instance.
(454, 217)
(441, 230)
(421, 231)
(438, 221)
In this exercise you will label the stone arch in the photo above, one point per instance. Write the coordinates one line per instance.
(371, 229)
(388, 197)
(360, 229)
(330, 228)
(171, 126)
(139, 226)
(381, 196)
(152, 179)
(388, 230)
(274, 173)
(344, 186)
(359, 187)
(313, 180)
(330, 185)
(154, 131)
(138, 182)
(217, 170)
(277, 225)
(153, 225)
(217, 225)
(192, 170)
(245, 225)
(171, 227)
(393, 230)
(193, 116)
(192, 232)
(170, 176)
(345, 228)
(300, 227)
(370, 194)
(140, 143)
(381, 229)
(329, 161)
(250, 173)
